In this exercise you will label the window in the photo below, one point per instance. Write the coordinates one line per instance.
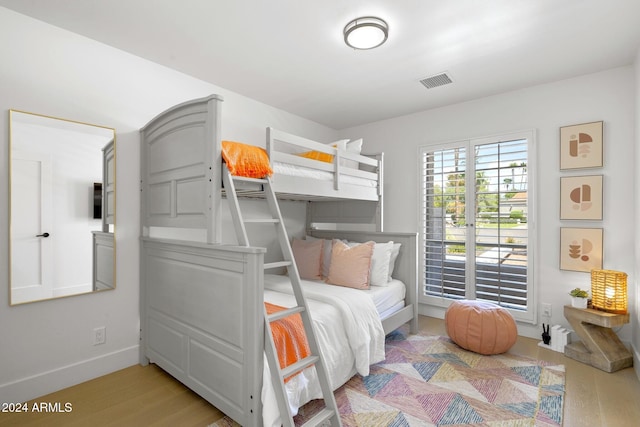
(475, 233)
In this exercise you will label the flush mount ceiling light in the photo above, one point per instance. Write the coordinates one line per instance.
(367, 32)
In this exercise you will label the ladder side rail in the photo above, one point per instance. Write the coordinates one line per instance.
(271, 352)
(234, 206)
(287, 252)
(278, 375)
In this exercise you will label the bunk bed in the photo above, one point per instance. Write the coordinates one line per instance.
(202, 316)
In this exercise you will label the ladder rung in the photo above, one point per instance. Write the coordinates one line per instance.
(246, 179)
(272, 265)
(299, 366)
(262, 220)
(322, 416)
(284, 313)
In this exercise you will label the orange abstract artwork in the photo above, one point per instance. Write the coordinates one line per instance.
(581, 146)
(580, 249)
(581, 197)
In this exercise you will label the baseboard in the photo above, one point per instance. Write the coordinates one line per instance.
(32, 387)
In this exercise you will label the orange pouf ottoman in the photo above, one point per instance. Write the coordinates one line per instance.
(481, 327)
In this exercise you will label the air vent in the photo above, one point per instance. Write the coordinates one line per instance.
(437, 80)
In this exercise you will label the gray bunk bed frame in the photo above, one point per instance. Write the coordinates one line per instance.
(202, 302)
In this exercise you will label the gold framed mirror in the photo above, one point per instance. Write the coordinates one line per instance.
(61, 207)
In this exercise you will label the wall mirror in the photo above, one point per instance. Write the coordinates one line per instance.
(62, 207)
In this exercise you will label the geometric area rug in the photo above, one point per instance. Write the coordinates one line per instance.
(428, 380)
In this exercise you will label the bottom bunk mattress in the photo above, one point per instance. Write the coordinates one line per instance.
(347, 324)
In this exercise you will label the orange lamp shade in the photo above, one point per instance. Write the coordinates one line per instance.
(609, 291)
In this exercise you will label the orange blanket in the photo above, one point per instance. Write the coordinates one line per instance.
(246, 160)
(289, 337)
(318, 155)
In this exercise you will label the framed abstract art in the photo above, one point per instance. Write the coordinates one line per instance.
(581, 146)
(580, 249)
(581, 197)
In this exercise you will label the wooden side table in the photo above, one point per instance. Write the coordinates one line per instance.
(600, 346)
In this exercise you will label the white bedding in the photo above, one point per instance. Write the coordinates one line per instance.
(387, 297)
(301, 171)
(349, 333)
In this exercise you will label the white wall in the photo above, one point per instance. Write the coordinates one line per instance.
(607, 96)
(46, 346)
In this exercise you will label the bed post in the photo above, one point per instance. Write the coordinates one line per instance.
(380, 207)
(269, 143)
(213, 165)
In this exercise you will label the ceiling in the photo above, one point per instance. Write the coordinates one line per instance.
(290, 53)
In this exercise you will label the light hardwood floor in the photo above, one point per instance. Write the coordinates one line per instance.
(147, 396)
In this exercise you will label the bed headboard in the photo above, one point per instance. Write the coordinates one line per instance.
(406, 268)
(180, 180)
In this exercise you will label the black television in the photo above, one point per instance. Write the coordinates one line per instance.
(97, 200)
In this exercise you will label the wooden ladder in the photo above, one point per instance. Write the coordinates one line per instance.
(330, 411)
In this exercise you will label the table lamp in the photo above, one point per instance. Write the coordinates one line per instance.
(609, 291)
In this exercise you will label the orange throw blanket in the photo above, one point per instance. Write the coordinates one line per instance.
(289, 337)
(246, 160)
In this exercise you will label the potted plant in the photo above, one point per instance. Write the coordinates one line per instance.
(579, 298)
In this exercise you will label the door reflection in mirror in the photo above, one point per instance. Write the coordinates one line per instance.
(57, 248)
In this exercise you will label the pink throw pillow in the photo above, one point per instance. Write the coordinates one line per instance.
(350, 265)
(308, 256)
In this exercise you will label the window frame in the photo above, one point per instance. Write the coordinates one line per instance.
(528, 315)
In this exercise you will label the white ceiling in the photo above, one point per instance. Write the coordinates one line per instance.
(290, 53)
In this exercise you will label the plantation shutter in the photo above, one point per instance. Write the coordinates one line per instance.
(501, 232)
(475, 231)
(444, 222)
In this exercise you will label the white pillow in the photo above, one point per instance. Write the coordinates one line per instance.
(341, 144)
(380, 262)
(354, 146)
(394, 256)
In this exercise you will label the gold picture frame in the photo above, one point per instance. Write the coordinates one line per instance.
(581, 249)
(581, 197)
(581, 146)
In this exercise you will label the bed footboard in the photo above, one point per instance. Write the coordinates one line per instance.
(202, 320)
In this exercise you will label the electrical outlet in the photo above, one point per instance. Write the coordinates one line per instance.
(99, 335)
(546, 310)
